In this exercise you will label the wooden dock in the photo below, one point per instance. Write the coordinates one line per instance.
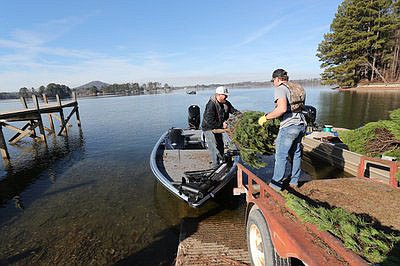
(33, 119)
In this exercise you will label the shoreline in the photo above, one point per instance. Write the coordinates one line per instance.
(374, 87)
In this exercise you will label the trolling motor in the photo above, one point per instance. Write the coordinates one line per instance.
(175, 139)
(194, 116)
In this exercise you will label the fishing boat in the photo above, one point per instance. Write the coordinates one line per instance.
(181, 162)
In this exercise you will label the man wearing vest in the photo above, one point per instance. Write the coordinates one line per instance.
(289, 101)
(216, 113)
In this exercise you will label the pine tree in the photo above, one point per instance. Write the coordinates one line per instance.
(394, 58)
(358, 43)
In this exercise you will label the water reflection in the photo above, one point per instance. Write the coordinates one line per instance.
(354, 109)
(37, 161)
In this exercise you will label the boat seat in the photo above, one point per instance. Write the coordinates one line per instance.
(194, 138)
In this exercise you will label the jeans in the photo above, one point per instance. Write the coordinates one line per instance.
(215, 145)
(288, 143)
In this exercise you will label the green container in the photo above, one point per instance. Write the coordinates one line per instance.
(328, 128)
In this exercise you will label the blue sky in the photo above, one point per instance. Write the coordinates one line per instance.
(175, 42)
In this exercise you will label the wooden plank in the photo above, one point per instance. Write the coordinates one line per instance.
(26, 132)
(338, 157)
(66, 121)
(3, 146)
(23, 129)
(59, 119)
(23, 101)
(20, 131)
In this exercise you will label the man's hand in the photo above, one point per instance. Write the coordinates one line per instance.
(262, 120)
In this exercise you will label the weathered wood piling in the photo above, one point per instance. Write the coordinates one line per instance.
(33, 119)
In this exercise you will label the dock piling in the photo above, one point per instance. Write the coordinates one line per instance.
(46, 101)
(63, 124)
(3, 147)
(41, 127)
(32, 122)
(78, 119)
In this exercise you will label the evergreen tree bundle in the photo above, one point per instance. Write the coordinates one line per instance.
(254, 140)
(376, 138)
(395, 116)
(366, 239)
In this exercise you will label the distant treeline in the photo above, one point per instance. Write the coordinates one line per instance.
(9, 95)
(52, 89)
(254, 84)
(124, 89)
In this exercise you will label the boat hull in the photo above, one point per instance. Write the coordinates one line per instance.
(176, 164)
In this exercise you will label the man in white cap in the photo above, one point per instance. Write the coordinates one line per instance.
(215, 115)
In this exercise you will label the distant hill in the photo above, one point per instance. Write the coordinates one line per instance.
(97, 84)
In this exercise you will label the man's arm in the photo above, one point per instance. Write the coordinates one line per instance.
(233, 110)
(280, 109)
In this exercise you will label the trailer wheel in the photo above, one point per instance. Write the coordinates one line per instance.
(259, 243)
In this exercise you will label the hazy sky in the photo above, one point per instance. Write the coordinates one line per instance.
(179, 42)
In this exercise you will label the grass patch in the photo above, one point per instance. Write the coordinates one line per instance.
(356, 234)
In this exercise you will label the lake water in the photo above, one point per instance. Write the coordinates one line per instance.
(91, 198)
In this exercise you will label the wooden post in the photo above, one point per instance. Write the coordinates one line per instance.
(49, 115)
(63, 125)
(78, 119)
(41, 127)
(3, 146)
(23, 101)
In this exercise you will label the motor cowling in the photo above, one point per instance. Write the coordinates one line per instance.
(194, 117)
(310, 113)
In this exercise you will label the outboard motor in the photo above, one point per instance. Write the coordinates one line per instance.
(310, 113)
(194, 117)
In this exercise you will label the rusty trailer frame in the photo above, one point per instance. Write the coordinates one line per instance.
(290, 237)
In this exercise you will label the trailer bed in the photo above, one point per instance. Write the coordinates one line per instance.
(374, 200)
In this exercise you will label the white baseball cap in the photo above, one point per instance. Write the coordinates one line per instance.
(222, 90)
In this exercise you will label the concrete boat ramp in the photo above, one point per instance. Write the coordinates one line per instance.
(219, 239)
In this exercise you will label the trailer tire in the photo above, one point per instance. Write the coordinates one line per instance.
(261, 249)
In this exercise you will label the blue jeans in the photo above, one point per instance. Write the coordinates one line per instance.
(288, 143)
(215, 145)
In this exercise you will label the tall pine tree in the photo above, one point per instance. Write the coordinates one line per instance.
(358, 43)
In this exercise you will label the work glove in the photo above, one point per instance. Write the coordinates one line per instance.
(262, 120)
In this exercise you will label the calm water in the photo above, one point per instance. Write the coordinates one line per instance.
(91, 198)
